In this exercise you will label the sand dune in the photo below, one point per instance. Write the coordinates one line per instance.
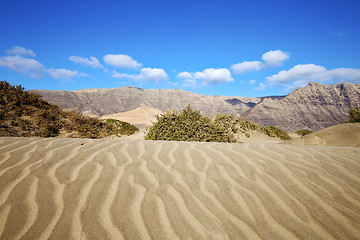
(141, 116)
(342, 135)
(136, 189)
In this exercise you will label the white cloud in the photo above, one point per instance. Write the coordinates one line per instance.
(152, 74)
(189, 79)
(185, 75)
(302, 74)
(64, 73)
(275, 58)
(306, 71)
(20, 51)
(146, 74)
(190, 82)
(214, 76)
(122, 75)
(270, 59)
(211, 76)
(252, 81)
(121, 61)
(342, 74)
(246, 66)
(93, 61)
(260, 87)
(27, 66)
(32, 68)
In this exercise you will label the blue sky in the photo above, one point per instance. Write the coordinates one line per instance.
(232, 48)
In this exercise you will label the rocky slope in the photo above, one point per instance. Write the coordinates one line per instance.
(313, 107)
(102, 102)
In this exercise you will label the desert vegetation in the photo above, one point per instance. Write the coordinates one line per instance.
(354, 115)
(25, 114)
(303, 132)
(188, 125)
(272, 131)
(191, 125)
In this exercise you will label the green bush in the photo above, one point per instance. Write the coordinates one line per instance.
(303, 132)
(275, 132)
(191, 125)
(354, 115)
(125, 128)
(188, 125)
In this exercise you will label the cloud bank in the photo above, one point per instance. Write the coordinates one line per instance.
(27, 66)
(64, 74)
(243, 67)
(23, 60)
(92, 62)
(121, 61)
(209, 76)
(275, 58)
(270, 59)
(302, 74)
(20, 51)
(146, 74)
(17, 61)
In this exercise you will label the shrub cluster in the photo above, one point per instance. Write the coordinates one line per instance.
(191, 125)
(124, 127)
(354, 115)
(303, 132)
(25, 114)
(275, 132)
(188, 125)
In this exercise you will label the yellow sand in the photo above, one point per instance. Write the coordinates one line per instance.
(141, 116)
(342, 135)
(136, 189)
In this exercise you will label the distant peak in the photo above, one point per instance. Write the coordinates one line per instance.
(134, 87)
(312, 84)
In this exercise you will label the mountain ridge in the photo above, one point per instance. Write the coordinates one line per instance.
(314, 107)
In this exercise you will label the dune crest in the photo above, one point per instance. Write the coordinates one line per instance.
(142, 116)
(342, 135)
(136, 189)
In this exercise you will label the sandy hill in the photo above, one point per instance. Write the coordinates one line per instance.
(141, 117)
(343, 135)
(313, 107)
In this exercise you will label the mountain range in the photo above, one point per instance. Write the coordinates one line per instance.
(314, 107)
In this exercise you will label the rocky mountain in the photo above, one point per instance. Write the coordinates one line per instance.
(100, 102)
(313, 107)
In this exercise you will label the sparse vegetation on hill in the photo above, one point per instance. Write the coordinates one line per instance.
(272, 131)
(354, 115)
(191, 125)
(303, 132)
(25, 114)
(125, 127)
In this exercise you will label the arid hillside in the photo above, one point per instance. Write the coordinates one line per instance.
(313, 107)
(25, 114)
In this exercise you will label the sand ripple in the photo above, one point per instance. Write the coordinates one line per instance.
(135, 189)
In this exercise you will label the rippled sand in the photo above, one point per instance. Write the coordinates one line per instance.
(136, 189)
